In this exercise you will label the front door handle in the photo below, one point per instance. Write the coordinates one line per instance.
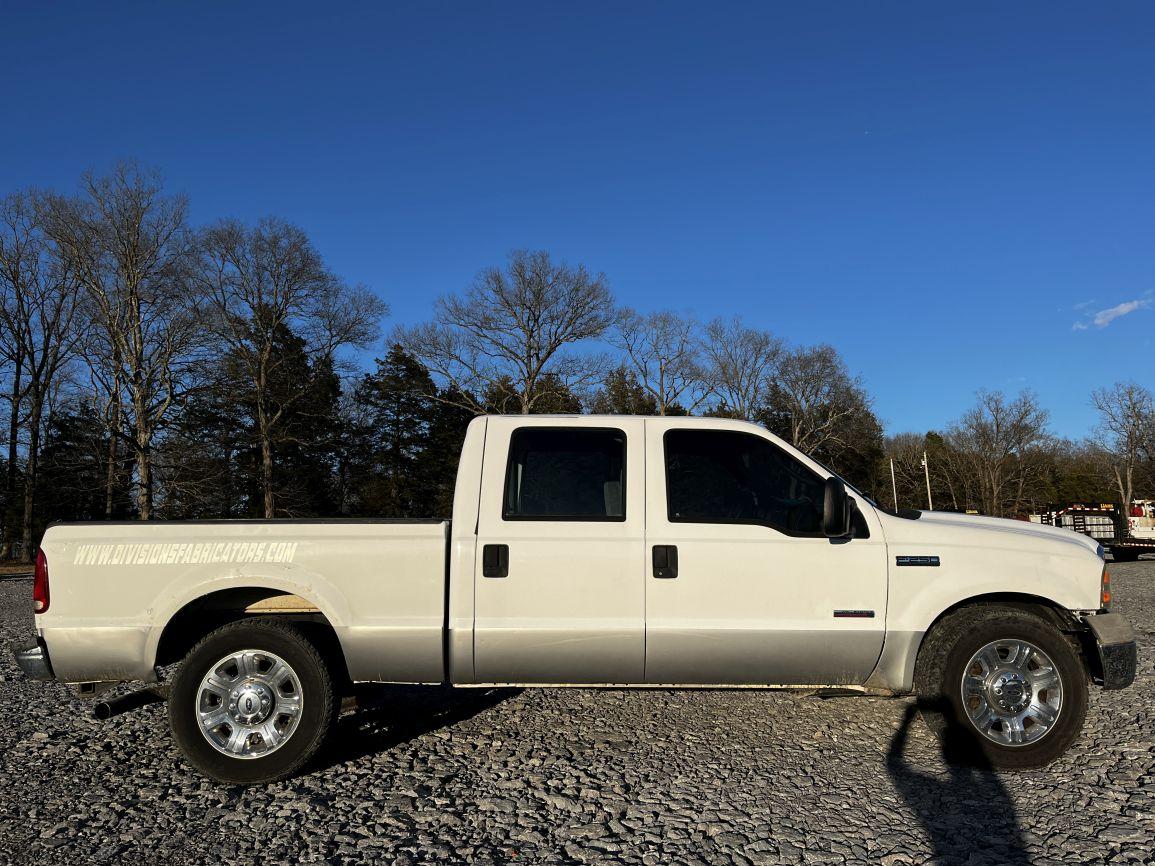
(495, 560)
(665, 560)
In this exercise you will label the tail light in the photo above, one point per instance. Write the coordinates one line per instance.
(40, 584)
(1105, 591)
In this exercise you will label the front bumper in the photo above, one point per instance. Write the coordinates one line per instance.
(1116, 649)
(33, 660)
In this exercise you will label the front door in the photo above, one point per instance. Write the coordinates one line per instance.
(560, 576)
(743, 587)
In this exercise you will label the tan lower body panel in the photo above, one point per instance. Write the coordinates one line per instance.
(393, 654)
(89, 653)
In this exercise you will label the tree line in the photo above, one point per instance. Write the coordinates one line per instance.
(1000, 459)
(153, 369)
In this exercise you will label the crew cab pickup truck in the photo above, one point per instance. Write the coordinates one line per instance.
(588, 551)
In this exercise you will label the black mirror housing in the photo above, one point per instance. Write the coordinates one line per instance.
(835, 509)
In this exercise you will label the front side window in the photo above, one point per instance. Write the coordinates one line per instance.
(721, 476)
(566, 474)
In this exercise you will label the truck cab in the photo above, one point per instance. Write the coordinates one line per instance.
(660, 551)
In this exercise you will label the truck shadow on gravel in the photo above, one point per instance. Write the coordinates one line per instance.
(389, 715)
(969, 816)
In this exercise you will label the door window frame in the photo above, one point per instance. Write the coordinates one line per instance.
(729, 521)
(554, 518)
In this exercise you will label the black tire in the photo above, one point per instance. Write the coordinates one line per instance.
(948, 649)
(319, 709)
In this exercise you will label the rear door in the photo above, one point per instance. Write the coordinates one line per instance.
(757, 594)
(560, 577)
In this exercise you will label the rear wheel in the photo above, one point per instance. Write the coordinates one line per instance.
(1003, 685)
(252, 702)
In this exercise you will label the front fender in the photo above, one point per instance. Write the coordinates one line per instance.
(920, 594)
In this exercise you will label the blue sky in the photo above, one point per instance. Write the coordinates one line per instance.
(956, 199)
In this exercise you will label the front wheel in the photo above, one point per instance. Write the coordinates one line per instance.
(252, 702)
(1002, 684)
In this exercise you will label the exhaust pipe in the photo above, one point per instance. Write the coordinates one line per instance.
(131, 701)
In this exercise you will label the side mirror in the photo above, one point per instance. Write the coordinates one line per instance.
(835, 509)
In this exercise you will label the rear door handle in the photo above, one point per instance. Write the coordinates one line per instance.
(665, 560)
(495, 560)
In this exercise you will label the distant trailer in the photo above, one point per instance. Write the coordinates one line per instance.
(1141, 519)
(1102, 523)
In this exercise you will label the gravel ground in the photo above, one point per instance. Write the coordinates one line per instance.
(567, 775)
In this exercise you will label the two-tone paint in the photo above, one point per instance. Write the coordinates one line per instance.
(581, 603)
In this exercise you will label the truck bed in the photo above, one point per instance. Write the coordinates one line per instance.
(381, 584)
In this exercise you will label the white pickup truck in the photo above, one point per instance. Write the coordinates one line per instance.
(588, 551)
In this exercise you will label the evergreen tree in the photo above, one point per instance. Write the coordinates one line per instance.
(399, 414)
(212, 465)
(75, 471)
(551, 397)
(442, 452)
(623, 394)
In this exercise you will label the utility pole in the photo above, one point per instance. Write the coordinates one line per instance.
(893, 484)
(926, 470)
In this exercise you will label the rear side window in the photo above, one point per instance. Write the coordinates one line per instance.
(556, 473)
(719, 476)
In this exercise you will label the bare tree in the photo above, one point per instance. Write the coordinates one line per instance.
(998, 441)
(950, 473)
(1126, 429)
(739, 364)
(38, 306)
(663, 349)
(513, 329)
(11, 355)
(129, 247)
(817, 400)
(906, 450)
(263, 283)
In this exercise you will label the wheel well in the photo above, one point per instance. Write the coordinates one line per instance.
(209, 612)
(1044, 608)
(1052, 612)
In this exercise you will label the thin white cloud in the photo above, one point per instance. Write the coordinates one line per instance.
(1105, 317)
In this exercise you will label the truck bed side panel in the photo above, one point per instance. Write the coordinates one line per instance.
(380, 584)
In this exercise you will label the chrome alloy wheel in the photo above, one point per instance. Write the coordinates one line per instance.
(249, 704)
(1012, 692)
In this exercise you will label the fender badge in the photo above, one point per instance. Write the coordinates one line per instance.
(916, 560)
